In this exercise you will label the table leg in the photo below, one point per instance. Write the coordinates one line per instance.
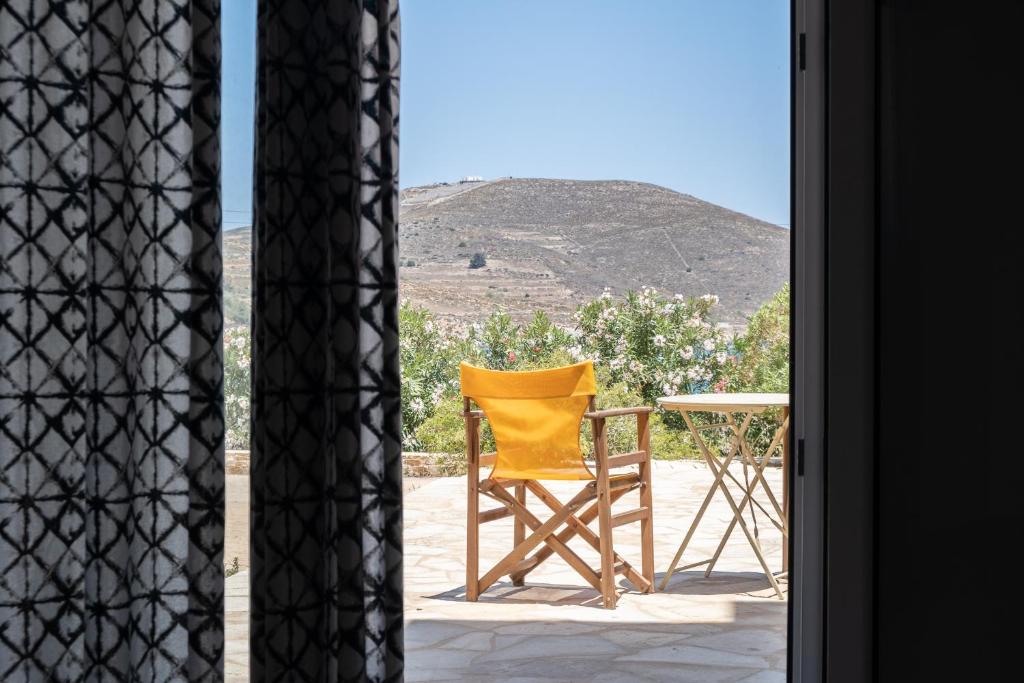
(720, 471)
(740, 437)
(737, 513)
(707, 499)
(785, 488)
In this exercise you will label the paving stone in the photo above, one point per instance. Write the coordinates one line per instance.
(768, 676)
(555, 646)
(744, 641)
(722, 629)
(688, 654)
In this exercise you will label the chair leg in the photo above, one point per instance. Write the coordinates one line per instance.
(519, 530)
(472, 542)
(472, 511)
(604, 516)
(646, 500)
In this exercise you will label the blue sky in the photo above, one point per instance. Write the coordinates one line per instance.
(689, 94)
(238, 85)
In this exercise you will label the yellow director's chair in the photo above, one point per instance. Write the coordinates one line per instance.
(536, 417)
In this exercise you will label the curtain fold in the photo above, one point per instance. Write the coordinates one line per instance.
(326, 455)
(111, 410)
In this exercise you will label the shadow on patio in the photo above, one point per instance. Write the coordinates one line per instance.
(740, 643)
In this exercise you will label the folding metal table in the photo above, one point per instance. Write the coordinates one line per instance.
(731, 406)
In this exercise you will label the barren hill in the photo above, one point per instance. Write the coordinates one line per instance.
(552, 244)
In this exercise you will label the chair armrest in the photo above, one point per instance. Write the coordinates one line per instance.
(615, 412)
(626, 459)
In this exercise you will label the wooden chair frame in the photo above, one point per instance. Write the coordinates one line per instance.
(576, 514)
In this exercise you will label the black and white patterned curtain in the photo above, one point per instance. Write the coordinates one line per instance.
(326, 442)
(111, 420)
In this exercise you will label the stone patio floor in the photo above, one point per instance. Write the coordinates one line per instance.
(729, 627)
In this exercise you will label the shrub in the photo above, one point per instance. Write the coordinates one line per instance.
(237, 386)
(644, 346)
(478, 260)
(445, 432)
(620, 431)
(502, 344)
(763, 363)
(429, 359)
(670, 442)
(657, 345)
(763, 352)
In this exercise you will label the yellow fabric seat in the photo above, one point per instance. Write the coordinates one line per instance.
(535, 417)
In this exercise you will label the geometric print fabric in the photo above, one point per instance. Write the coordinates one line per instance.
(326, 430)
(111, 418)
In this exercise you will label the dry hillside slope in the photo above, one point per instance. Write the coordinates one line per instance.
(551, 244)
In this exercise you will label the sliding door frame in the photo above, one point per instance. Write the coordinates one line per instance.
(832, 627)
(807, 345)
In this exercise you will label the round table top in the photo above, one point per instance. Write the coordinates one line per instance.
(715, 403)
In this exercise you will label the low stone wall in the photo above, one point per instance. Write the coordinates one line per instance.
(413, 464)
(421, 465)
(236, 462)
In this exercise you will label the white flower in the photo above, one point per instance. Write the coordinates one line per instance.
(679, 297)
(659, 340)
(687, 352)
(693, 374)
(428, 327)
(417, 406)
(709, 345)
(606, 295)
(721, 357)
(710, 298)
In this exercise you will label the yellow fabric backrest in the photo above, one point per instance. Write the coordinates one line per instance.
(535, 417)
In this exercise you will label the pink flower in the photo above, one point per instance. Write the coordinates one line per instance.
(511, 356)
(720, 386)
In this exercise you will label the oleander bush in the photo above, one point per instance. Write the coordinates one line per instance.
(237, 345)
(644, 345)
